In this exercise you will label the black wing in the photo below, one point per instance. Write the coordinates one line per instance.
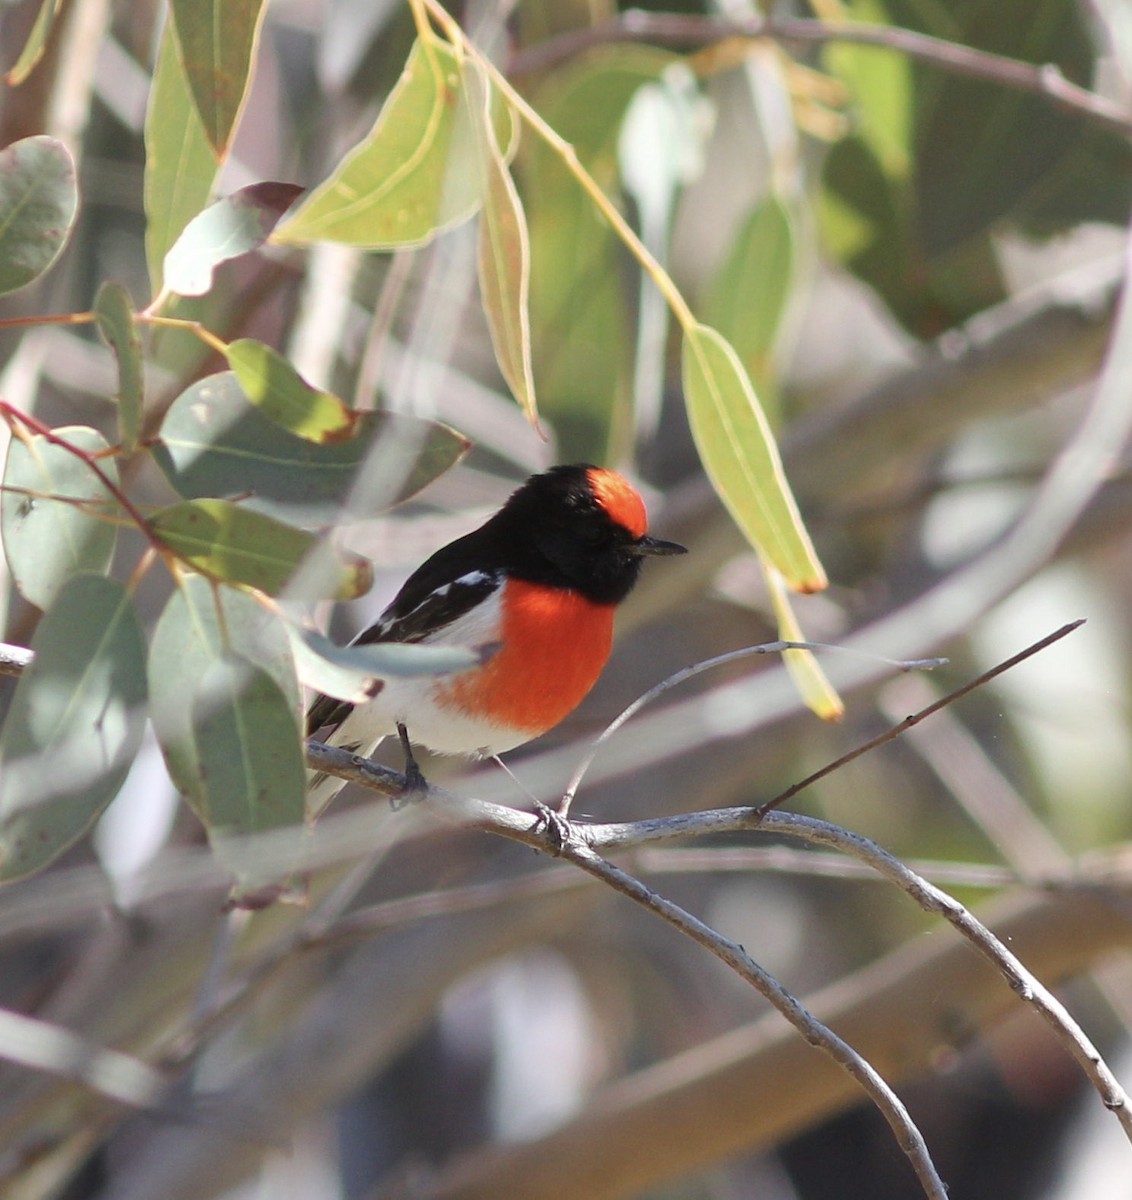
(430, 599)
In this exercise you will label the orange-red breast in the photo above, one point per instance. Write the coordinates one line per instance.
(541, 579)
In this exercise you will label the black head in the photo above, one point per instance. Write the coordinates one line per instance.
(578, 526)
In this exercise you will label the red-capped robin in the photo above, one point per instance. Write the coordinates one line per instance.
(541, 580)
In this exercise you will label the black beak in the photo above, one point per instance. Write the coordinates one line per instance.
(651, 545)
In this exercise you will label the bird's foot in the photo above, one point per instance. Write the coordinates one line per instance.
(415, 783)
(556, 826)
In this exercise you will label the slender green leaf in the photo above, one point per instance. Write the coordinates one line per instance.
(281, 394)
(38, 202)
(47, 512)
(414, 175)
(354, 673)
(200, 626)
(180, 168)
(214, 443)
(815, 689)
(115, 316)
(217, 40)
(36, 43)
(504, 248)
(75, 723)
(739, 454)
(233, 226)
(236, 545)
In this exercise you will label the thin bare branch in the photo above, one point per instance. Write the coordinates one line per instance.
(576, 850)
(915, 718)
(686, 31)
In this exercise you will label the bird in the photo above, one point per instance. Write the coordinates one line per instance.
(539, 581)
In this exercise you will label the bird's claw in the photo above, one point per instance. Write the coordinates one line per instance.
(556, 826)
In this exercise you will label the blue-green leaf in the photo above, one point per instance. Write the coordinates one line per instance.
(75, 723)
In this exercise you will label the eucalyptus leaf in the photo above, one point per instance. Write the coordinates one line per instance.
(39, 200)
(200, 625)
(252, 775)
(75, 723)
(414, 175)
(354, 673)
(232, 544)
(115, 316)
(235, 225)
(279, 392)
(504, 248)
(48, 511)
(180, 168)
(36, 42)
(215, 443)
(217, 40)
(742, 461)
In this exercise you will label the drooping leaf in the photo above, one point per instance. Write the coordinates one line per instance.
(234, 544)
(504, 248)
(815, 689)
(38, 202)
(739, 454)
(199, 626)
(279, 392)
(217, 40)
(115, 316)
(353, 673)
(75, 723)
(36, 43)
(414, 175)
(235, 225)
(180, 168)
(214, 443)
(252, 776)
(47, 512)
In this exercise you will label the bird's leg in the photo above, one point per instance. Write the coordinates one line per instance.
(414, 777)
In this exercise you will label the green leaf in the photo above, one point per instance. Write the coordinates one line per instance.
(279, 392)
(214, 443)
(252, 774)
(354, 673)
(504, 248)
(115, 316)
(233, 544)
(180, 168)
(815, 689)
(75, 723)
(746, 300)
(739, 454)
(200, 626)
(47, 540)
(38, 202)
(414, 175)
(217, 40)
(36, 43)
(233, 226)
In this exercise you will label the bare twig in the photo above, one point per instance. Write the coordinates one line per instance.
(576, 849)
(684, 31)
(896, 730)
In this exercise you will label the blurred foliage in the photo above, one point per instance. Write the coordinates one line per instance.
(916, 269)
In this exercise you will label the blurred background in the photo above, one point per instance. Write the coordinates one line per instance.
(920, 263)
